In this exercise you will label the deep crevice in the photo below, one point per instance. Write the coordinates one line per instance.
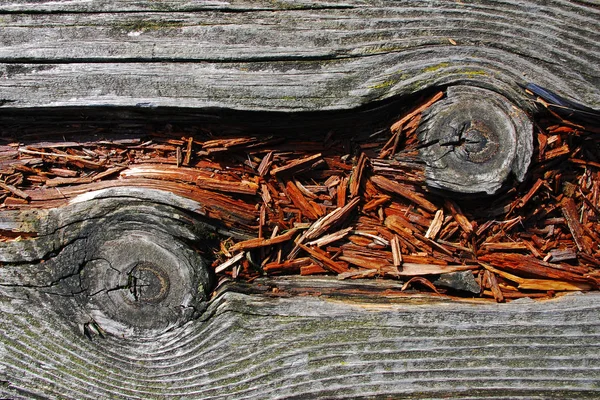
(190, 9)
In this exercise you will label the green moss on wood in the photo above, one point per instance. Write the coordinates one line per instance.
(147, 25)
(435, 67)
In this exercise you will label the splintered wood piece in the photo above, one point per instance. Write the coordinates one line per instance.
(324, 260)
(404, 191)
(298, 165)
(312, 269)
(305, 191)
(398, 124)
(330, 238)
(188, 154)
(63, 172)
(259, 242)
(229, 263)
(491, 282)
(435, 225)
(584, 162)
(376, 202)
(408, 268)
(539, 284)
(525, 199)
(557, 152)
(58, 155)
(505, 246)
(265, 194)
(288, 267)
(107, 173)
(17, 192)
(458, 216)
(296, 196)
(265, 164)
(396, 251)
(322, 225)
(569, 210)
(357, 174)
(228, 143)
(398, 225)
(388, 148)
(531, 267)
(342, 188)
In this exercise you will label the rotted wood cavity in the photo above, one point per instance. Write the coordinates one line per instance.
(345, 195)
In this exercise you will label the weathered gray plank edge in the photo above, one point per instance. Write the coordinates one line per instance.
(333, 58)
(309, 347)
(83, 6)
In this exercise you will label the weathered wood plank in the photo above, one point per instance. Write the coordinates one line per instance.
(335, 57)
(73, 329)
(253, 346)
(66, 334)
(166, 5)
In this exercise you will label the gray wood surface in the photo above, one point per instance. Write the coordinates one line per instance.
(254, 347)
(69, 332)
(279, 338)
(288, 55)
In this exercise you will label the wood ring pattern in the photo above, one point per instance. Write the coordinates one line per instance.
(474, 140)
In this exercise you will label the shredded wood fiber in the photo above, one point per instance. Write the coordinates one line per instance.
(333, 204)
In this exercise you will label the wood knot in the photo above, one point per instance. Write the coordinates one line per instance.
(139, 276)
(473, 140)
(147, 283)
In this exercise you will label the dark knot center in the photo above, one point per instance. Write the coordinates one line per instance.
(147, 282)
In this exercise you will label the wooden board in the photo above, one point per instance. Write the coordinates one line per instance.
(288, 55)
(285, 337)
(72, 328)
(254, 347)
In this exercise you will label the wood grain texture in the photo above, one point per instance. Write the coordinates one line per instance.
(251, 346)
(129, 262)
(283, 338)
(272, 338)
(290, 56)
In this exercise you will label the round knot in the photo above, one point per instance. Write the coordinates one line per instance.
(473, 140)
(141, 276)
(477, 143)
(147, 283)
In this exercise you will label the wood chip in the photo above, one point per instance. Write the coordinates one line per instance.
(296, 166)
(436, 225)
(296, 196)
(539, 284)
(492, 283)
(396, 251)
(229, 263)
(458, 216)
(17, 192)
(330, 238)
(398, 125)
(260, 242)
(324, 260)
(569, 211)
(403, 191)
(357, 174)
